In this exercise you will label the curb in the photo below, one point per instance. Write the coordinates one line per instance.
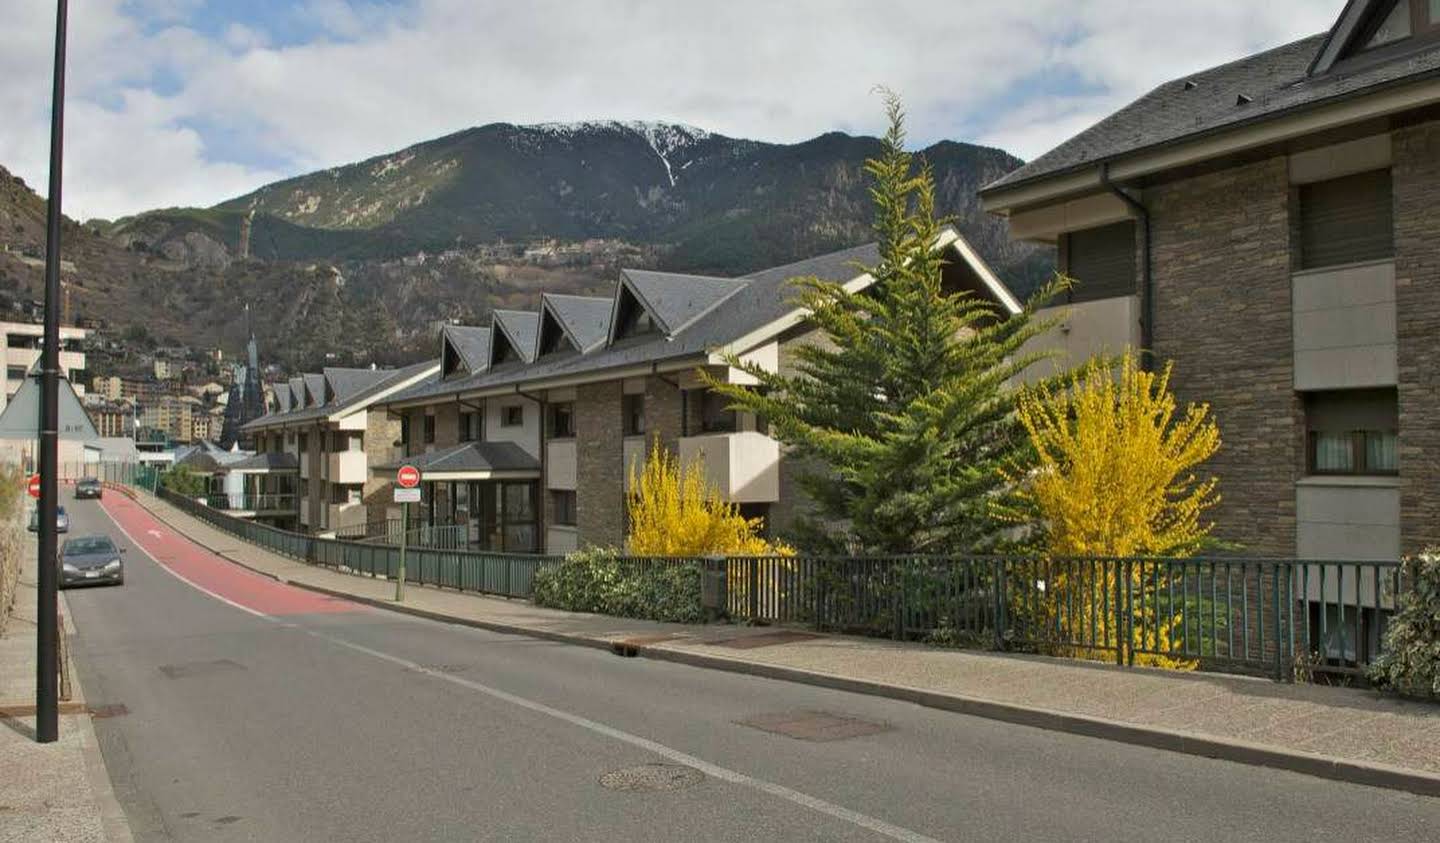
(1187, 743)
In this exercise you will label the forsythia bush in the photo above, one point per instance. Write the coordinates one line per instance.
(1410, 660)
(675, 512)
(600, 581)
(1114, 475)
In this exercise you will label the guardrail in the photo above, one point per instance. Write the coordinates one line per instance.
(1282, 617)
(505, 574)
(265, 502)
(1276, 616)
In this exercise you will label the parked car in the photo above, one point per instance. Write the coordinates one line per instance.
(88, 488)
(62, 521)
(91, 560)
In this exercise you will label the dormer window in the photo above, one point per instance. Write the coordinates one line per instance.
(1402, 19)
(552, 336)
(633, 320)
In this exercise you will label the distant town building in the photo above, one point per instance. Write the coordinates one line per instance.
(21, 342)
(246, 400)
(110, 387)
(112, 418)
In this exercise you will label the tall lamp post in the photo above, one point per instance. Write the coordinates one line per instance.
(47, 661)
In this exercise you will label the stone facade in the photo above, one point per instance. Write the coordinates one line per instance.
(1223, 316)
(663, 413)
(1416, 172)
(382, 431)
(599, 469)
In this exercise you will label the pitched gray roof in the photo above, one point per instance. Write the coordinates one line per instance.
(1275, 81)
(282, 397)
(267, 461)
(472, 344)
(297, 392)
(386, 378)
(677, 300)
(585, 319)
(767, 297)
(471, 456)
(347, 382)
(520, 328)
(315, 388)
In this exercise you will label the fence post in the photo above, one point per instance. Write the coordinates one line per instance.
(1278, 627)
(1119, 601)
(754, 587)
(1130, 612)
(997, 573)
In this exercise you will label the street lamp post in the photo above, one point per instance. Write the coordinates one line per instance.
(47, 656)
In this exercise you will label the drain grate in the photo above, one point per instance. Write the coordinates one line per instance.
(189, 669)
(652, 777)
(109, 710)
(817, 726)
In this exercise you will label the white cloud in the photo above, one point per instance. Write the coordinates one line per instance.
(388, 76)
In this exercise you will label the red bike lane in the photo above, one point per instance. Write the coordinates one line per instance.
(212, 574)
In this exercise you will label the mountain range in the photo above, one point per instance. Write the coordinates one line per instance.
(359, 261)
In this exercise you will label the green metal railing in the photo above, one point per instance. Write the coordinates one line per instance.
(1253, 615)
(1280, 617)
(506, 574)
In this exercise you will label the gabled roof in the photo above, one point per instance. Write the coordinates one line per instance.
(297, 392)
(1253, 89)
(315, 394)
(583, 320)
(464, 348)
(516, 327)
(673, 300)
(347, 382)
(282, 397)
(472, 458)
(383, 382)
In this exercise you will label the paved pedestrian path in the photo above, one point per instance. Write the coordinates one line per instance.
(48, 792)
(1352, 734)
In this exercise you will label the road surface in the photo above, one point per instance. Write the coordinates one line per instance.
(256, 711)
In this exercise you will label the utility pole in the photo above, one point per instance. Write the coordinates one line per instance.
(47, 654)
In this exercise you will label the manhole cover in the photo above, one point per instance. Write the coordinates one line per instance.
(814, 725)
(652, 777)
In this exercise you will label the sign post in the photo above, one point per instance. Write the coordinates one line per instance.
(407, 491)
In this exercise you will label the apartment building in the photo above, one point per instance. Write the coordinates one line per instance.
(21, 344)
(112, 419)
(107, 387)
(1269, 225)
(530, 428)
(315, 446)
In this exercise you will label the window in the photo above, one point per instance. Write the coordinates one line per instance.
(467, 427)
(405, 431)
(355, 442)
(562, 421)
(429, 432)
(1346, 220)
(562, 503)
(304, 443)
(715, 417)
(632, 318)
(1101, 260)
(1391, 27)
(512, 416)
(632, 409)
(1352, 432)
(1401, 20)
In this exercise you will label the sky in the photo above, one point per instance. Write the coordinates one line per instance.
(191, 102)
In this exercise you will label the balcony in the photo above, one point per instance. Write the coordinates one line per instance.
(560, 464)
(744, 466)
(347, 467)
(304, 465)
(345, 516)
(252, 505)
(1344, 322)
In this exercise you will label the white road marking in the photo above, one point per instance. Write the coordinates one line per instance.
(172, 572)
(814, 803)
(780, 791)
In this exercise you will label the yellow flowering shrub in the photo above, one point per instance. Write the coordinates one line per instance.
(1115, 475)
(674, 511)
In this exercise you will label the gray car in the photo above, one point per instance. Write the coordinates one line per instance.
(62, 520)
(91, 560)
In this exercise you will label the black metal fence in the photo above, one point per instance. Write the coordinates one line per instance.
(1281, 617)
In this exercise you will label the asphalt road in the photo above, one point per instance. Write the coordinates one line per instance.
(261, 712)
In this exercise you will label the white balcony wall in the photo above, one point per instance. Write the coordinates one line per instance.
(744, 466)
(1346, 519)
(560, 540)
(1085, 329)
(347, 467)
(526, 435)
(560, 462)
(633, 457)
(1344, 320)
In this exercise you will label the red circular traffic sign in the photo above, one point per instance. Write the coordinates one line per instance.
(34, 486)
(408, 477)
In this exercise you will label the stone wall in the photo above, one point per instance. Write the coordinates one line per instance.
(382, 431)
(1416, 170)
(1222, 315)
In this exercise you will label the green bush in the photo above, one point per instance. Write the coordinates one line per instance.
(182, 481)
(1409, 662)
(601, 581)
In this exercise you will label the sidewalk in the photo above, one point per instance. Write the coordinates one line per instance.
(48, 792)
(1347, 734)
